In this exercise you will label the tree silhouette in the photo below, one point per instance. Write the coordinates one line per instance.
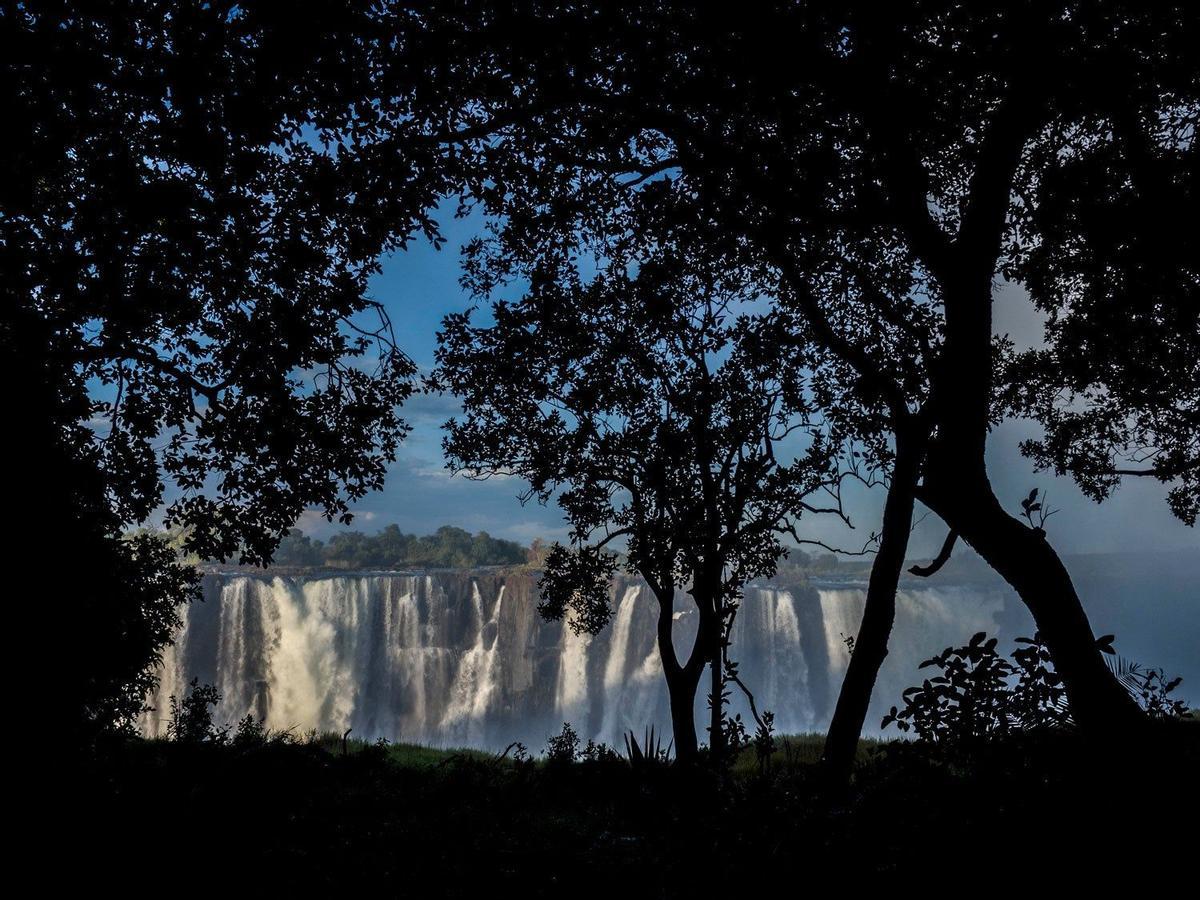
(644, 398)
(187, 234)
(1104, 257)
(963, 133)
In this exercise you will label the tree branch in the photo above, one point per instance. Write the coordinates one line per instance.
(940, 560)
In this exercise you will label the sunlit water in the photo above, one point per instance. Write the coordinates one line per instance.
(458, 659)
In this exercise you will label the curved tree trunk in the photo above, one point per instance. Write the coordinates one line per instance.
(879, 613)
(955, 485)
(1024, 558)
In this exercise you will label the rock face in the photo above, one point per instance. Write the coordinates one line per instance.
(464, 659)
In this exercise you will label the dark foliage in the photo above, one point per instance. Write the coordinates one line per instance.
(876, 185)
(190, 238)
(563, 748)
(978, 695)
(1098, 242)
(249, 733)
(648, 755)
(1054, 807)
(598, 752)
(188, 222)
(1151, 689)
(191, 716)
(645, 399)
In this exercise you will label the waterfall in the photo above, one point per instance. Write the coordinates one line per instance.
(475, 682)
(571, 689)
(464, 659)
(767, 645)
(842, 612)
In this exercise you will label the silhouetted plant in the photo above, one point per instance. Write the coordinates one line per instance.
(980, 694)
(1038, 699)
(1150, 688)
(563, 748)
(650, 753)
(1036, 512)
(376, 751)
(191, 718)
(520, 753)
(598, 752)
(734, 737)
(249, 733)
(646, 401)
(764, 741)
(967, 701)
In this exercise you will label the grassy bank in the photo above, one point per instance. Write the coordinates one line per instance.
(314, 815)
(792, 751)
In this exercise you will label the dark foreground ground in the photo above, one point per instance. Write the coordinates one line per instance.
(306, 817)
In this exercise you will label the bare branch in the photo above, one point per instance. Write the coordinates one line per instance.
(939, 560)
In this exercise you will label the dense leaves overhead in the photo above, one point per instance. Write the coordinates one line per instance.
(1110, 254)
(642, 391)
(804, 138)
(647, 406)
(189, 217)
(200, 193)
(1053, 143)
(189, 227)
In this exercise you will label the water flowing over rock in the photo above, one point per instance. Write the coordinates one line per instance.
(457, 658)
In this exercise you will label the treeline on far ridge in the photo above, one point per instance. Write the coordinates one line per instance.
(455, 548)
(447, 548)
(451, 548)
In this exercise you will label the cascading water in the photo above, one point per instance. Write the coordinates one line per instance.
(464, 659)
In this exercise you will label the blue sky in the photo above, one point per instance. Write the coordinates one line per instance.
(420, 285)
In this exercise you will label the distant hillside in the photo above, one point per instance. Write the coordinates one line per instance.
(447, 548)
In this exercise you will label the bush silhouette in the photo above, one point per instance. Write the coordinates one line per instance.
(979, 694)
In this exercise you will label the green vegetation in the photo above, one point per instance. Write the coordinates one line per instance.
(792, 751)
(454, 548)
(314, 813)
(447, 548)
(282, 810)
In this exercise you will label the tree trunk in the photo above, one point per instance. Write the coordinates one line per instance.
(955, 485)
(716, 730)
(707, 594)
(681, 690)
(1023, 557)
(879, 613)
(682, 682)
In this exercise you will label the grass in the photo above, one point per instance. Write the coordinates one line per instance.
(792, 750)
(798, 750)
(307, 814)
(413, 756)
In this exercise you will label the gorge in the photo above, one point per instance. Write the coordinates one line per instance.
(456, 658)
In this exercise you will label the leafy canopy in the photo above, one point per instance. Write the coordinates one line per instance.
(1053, 144)
(644, 397)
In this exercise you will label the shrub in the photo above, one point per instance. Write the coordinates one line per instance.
(1151, 689)
(563, 748)
(191, 718)
(598, 752)
(249, 733)
(968, 700)
(980, 694)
